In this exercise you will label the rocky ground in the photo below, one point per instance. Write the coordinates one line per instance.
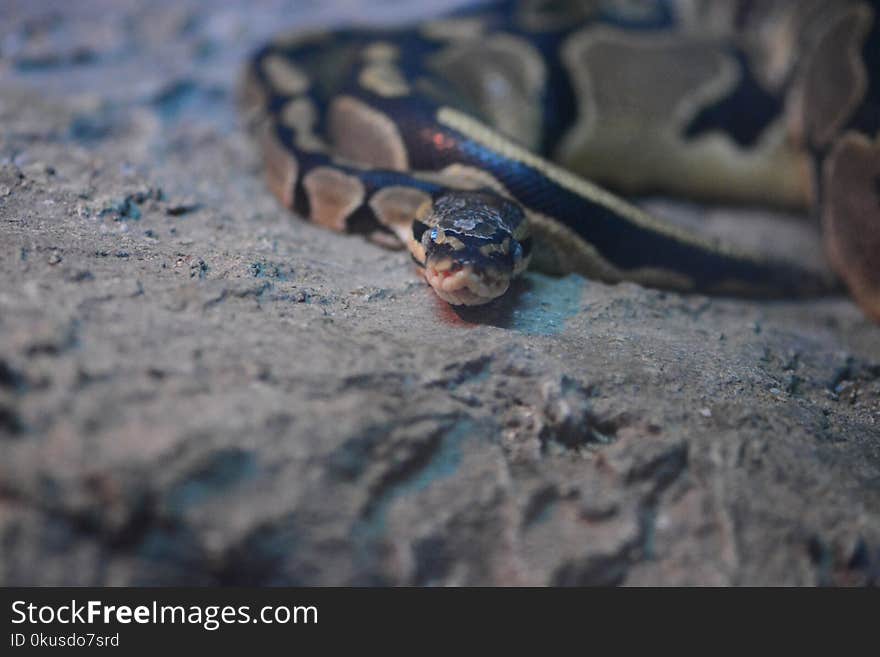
(197, 388)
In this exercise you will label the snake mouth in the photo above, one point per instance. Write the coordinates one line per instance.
(464, 285)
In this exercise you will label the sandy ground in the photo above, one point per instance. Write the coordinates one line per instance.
(198, 388)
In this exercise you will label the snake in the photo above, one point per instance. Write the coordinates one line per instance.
(516, 134)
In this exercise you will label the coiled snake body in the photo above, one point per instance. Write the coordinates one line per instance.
(474, 139)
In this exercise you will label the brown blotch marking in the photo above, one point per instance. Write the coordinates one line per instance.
(381, 51)
(333, 196)
(301, 115)
(851, 217)
(503, 75)
(363, 134)
(608, 71)
(397, 206)
(469, 177)
(284, 76)
(424, 214)
(836, 79)
(384, 79)
(632, 118)
(381, 75)
(282, 168)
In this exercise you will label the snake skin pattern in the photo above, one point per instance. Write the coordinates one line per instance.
(547, 104)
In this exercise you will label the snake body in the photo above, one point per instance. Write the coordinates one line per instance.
(475, 139)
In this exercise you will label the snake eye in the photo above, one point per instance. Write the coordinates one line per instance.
(434, 234)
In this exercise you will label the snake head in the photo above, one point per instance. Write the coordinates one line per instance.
(471, 243)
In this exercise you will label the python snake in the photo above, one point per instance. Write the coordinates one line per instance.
(475, 139)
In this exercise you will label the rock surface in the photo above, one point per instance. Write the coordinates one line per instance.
(197, 388)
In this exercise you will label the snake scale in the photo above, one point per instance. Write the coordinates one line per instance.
(485, 140)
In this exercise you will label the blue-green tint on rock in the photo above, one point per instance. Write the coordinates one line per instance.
(223, 471)
(544, 307)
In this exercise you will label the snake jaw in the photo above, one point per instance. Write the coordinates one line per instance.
(464, 285)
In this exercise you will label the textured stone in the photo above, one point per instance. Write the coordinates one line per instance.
(198, 388)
